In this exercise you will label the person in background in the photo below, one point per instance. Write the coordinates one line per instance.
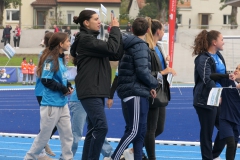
(73, 37)
(7, 34)
(24, 68)
(175, 33)
(56, 29)
(156, 116)
(229, 119)
(17, 36)
(207, 45)
(109, 28)
(31, 68)
(54, 109)
(68, 31)
(93, 86)
(129, 28)
(42, 41)
(166, 27)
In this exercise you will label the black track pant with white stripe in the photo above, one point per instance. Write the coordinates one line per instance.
(137, 114)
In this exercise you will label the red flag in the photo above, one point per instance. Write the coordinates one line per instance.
(172, 21)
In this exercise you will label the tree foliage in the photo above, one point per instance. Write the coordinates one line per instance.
(233, 16)
(162, 8)
(150, 10)
(7, 4)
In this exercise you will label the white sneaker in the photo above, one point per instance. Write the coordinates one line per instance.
(17, 47)
(217, 158)
(107, 158)
(128, 154)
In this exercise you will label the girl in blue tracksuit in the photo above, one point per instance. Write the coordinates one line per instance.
(209, 60)
(39, 91)
(54, 109)
(229, 119)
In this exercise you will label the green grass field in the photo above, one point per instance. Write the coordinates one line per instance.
(17, 60)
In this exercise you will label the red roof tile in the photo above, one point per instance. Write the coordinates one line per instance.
(44, 2)
(92, 1)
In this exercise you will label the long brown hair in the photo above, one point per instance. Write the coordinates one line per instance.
(203, 41)
(52, 52)
(154, 25)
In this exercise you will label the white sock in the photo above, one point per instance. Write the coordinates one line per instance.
(42, 154)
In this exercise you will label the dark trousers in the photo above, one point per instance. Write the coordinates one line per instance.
(6, 40)
(39, 99)
(96, 126)
(231, 148)
(137, 114)
(16, 41)
(155, 126)
(209, 118)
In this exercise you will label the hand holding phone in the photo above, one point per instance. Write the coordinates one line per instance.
(114, 21)
(113, 15)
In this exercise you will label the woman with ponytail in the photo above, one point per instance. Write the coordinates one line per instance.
(54, 109)
(209, 60)
(93, 79)
(156, 116)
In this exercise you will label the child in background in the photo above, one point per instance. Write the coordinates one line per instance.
(31, 67)
(229, 119)
(24, 68)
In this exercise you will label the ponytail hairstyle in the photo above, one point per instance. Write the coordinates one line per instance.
(203, 41)
(154, 25)
(83, 15)
(52, 52)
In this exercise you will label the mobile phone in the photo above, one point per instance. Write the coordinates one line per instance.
(113, 13)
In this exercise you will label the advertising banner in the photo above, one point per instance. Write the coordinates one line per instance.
(8, 75)
(172, 22)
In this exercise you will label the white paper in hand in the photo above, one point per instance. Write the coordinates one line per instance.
(214, 97)
(170, 78)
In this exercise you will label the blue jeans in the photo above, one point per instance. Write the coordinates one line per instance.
(78, 120)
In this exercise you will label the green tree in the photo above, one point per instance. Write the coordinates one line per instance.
(162, 8)
(7, 4)
(150, 10)
(233, 17)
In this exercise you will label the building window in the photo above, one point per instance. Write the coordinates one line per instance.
(226, 19)
(51, 13)
(179, 19)
(12, 15)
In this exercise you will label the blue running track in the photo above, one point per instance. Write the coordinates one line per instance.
(19, 112)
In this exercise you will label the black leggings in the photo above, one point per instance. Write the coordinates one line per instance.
(231, 148)
(39, 99)
(155, 126)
